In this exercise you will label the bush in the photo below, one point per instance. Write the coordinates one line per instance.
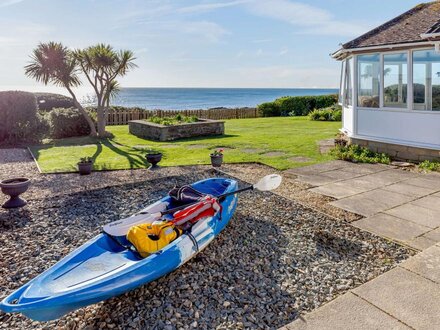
(49, 101)
(429, 166)
(67, 123)
(333, 113)
(296, 105)
(269, 109)
(19, 119)
(359, 154)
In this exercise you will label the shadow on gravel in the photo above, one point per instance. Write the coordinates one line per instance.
(274, 260)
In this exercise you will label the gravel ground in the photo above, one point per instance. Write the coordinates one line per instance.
(275, 260)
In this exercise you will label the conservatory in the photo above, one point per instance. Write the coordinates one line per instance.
(390, 86)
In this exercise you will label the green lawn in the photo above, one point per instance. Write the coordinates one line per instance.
(245, 140)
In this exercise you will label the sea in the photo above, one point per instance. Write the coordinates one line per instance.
(184, 98)
(206, 98)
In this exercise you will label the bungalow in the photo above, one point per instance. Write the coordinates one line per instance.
(390, 86)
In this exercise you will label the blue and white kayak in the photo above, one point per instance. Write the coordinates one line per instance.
(101, 268)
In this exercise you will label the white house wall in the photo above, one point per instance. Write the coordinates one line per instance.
(347, 120)
(415, 128)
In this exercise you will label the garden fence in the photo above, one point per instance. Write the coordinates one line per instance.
(123, 116)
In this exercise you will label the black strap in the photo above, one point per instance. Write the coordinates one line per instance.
(193, 239)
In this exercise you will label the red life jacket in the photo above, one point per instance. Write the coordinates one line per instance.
(205, 208)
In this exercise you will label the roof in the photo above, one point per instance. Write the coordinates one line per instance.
(406, 28)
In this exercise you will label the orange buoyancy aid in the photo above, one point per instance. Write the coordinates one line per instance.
(193, 213)
(151, 237)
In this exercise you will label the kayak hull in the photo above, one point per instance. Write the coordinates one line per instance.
(101, 269)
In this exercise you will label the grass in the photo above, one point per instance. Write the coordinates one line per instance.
(245, 140)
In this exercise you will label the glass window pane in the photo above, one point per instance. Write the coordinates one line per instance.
(426, 80)
(341, 83)
(395, 80)
(348, 83)
(369, 80)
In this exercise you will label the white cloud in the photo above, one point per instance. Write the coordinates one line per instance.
(204, 7)
(210, 31)
(311, 19)
(283, 51)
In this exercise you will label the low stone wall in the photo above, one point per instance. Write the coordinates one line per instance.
(397, 151)
(152, 131)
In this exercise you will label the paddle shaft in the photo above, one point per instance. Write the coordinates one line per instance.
(223, 196)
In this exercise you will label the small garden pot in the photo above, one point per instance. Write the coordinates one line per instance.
(216, 160)
(85, 168)
(153, 159)
(14, 188)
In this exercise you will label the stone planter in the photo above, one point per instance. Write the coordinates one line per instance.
(216, 160)
(203, 127)
(14, 188)
(85, 168)
(153, 159)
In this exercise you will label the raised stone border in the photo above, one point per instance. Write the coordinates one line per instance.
(397, 151)
(152, 131)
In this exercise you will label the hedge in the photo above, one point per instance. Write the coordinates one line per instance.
(19, 119)
(333, 113)
(67, 123)
(296, 105)
(49, 101)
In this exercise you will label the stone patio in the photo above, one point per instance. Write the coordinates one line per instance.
(399, 205)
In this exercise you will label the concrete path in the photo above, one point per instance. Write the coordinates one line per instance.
(407, 297)
(396, 204)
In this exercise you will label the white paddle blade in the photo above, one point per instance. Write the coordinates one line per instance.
(269, 182)
(121, 227)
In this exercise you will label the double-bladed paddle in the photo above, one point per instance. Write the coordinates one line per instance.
(121, 227)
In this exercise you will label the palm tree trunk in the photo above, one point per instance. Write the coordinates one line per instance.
(83, 112)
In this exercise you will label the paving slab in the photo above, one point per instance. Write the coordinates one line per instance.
(366, 168)
(433, 235)
(410, 190)
(420, 243)
(426, 181)
(340, 174)
(410, 298)
(417, 214)
(430, 202)
(388, 198)
(318, 168)
(388, 226)
(389, 177)
(316, 179)
(360, 205)
(347, 312)
(338, 190)
(426, 264)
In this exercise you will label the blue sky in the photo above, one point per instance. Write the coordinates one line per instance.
(197, 43)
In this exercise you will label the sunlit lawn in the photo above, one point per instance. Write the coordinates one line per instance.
(245, 140)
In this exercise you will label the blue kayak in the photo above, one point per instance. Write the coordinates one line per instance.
(102, 268)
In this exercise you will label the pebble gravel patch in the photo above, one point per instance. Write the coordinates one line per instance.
(275, 260)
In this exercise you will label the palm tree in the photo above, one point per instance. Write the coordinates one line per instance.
(53, 63)
(101, 65)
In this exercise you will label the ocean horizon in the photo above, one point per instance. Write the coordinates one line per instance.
(186, 98)
(206, 98)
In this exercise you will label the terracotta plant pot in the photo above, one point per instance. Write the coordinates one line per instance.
(153, 159)
(14, 188)
(85, 168)
(216, 160)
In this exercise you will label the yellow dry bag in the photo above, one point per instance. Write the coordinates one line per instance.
(151, 237)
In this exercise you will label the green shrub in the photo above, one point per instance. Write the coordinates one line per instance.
(429, 166)
(269, 109)
(296, 105)
(178, 119)
(359, 154)
(67, 123)
(19, 119)
(333, 113)
(49, 101)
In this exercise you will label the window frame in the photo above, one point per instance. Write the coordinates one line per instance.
(380, 82)
(408, 83)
